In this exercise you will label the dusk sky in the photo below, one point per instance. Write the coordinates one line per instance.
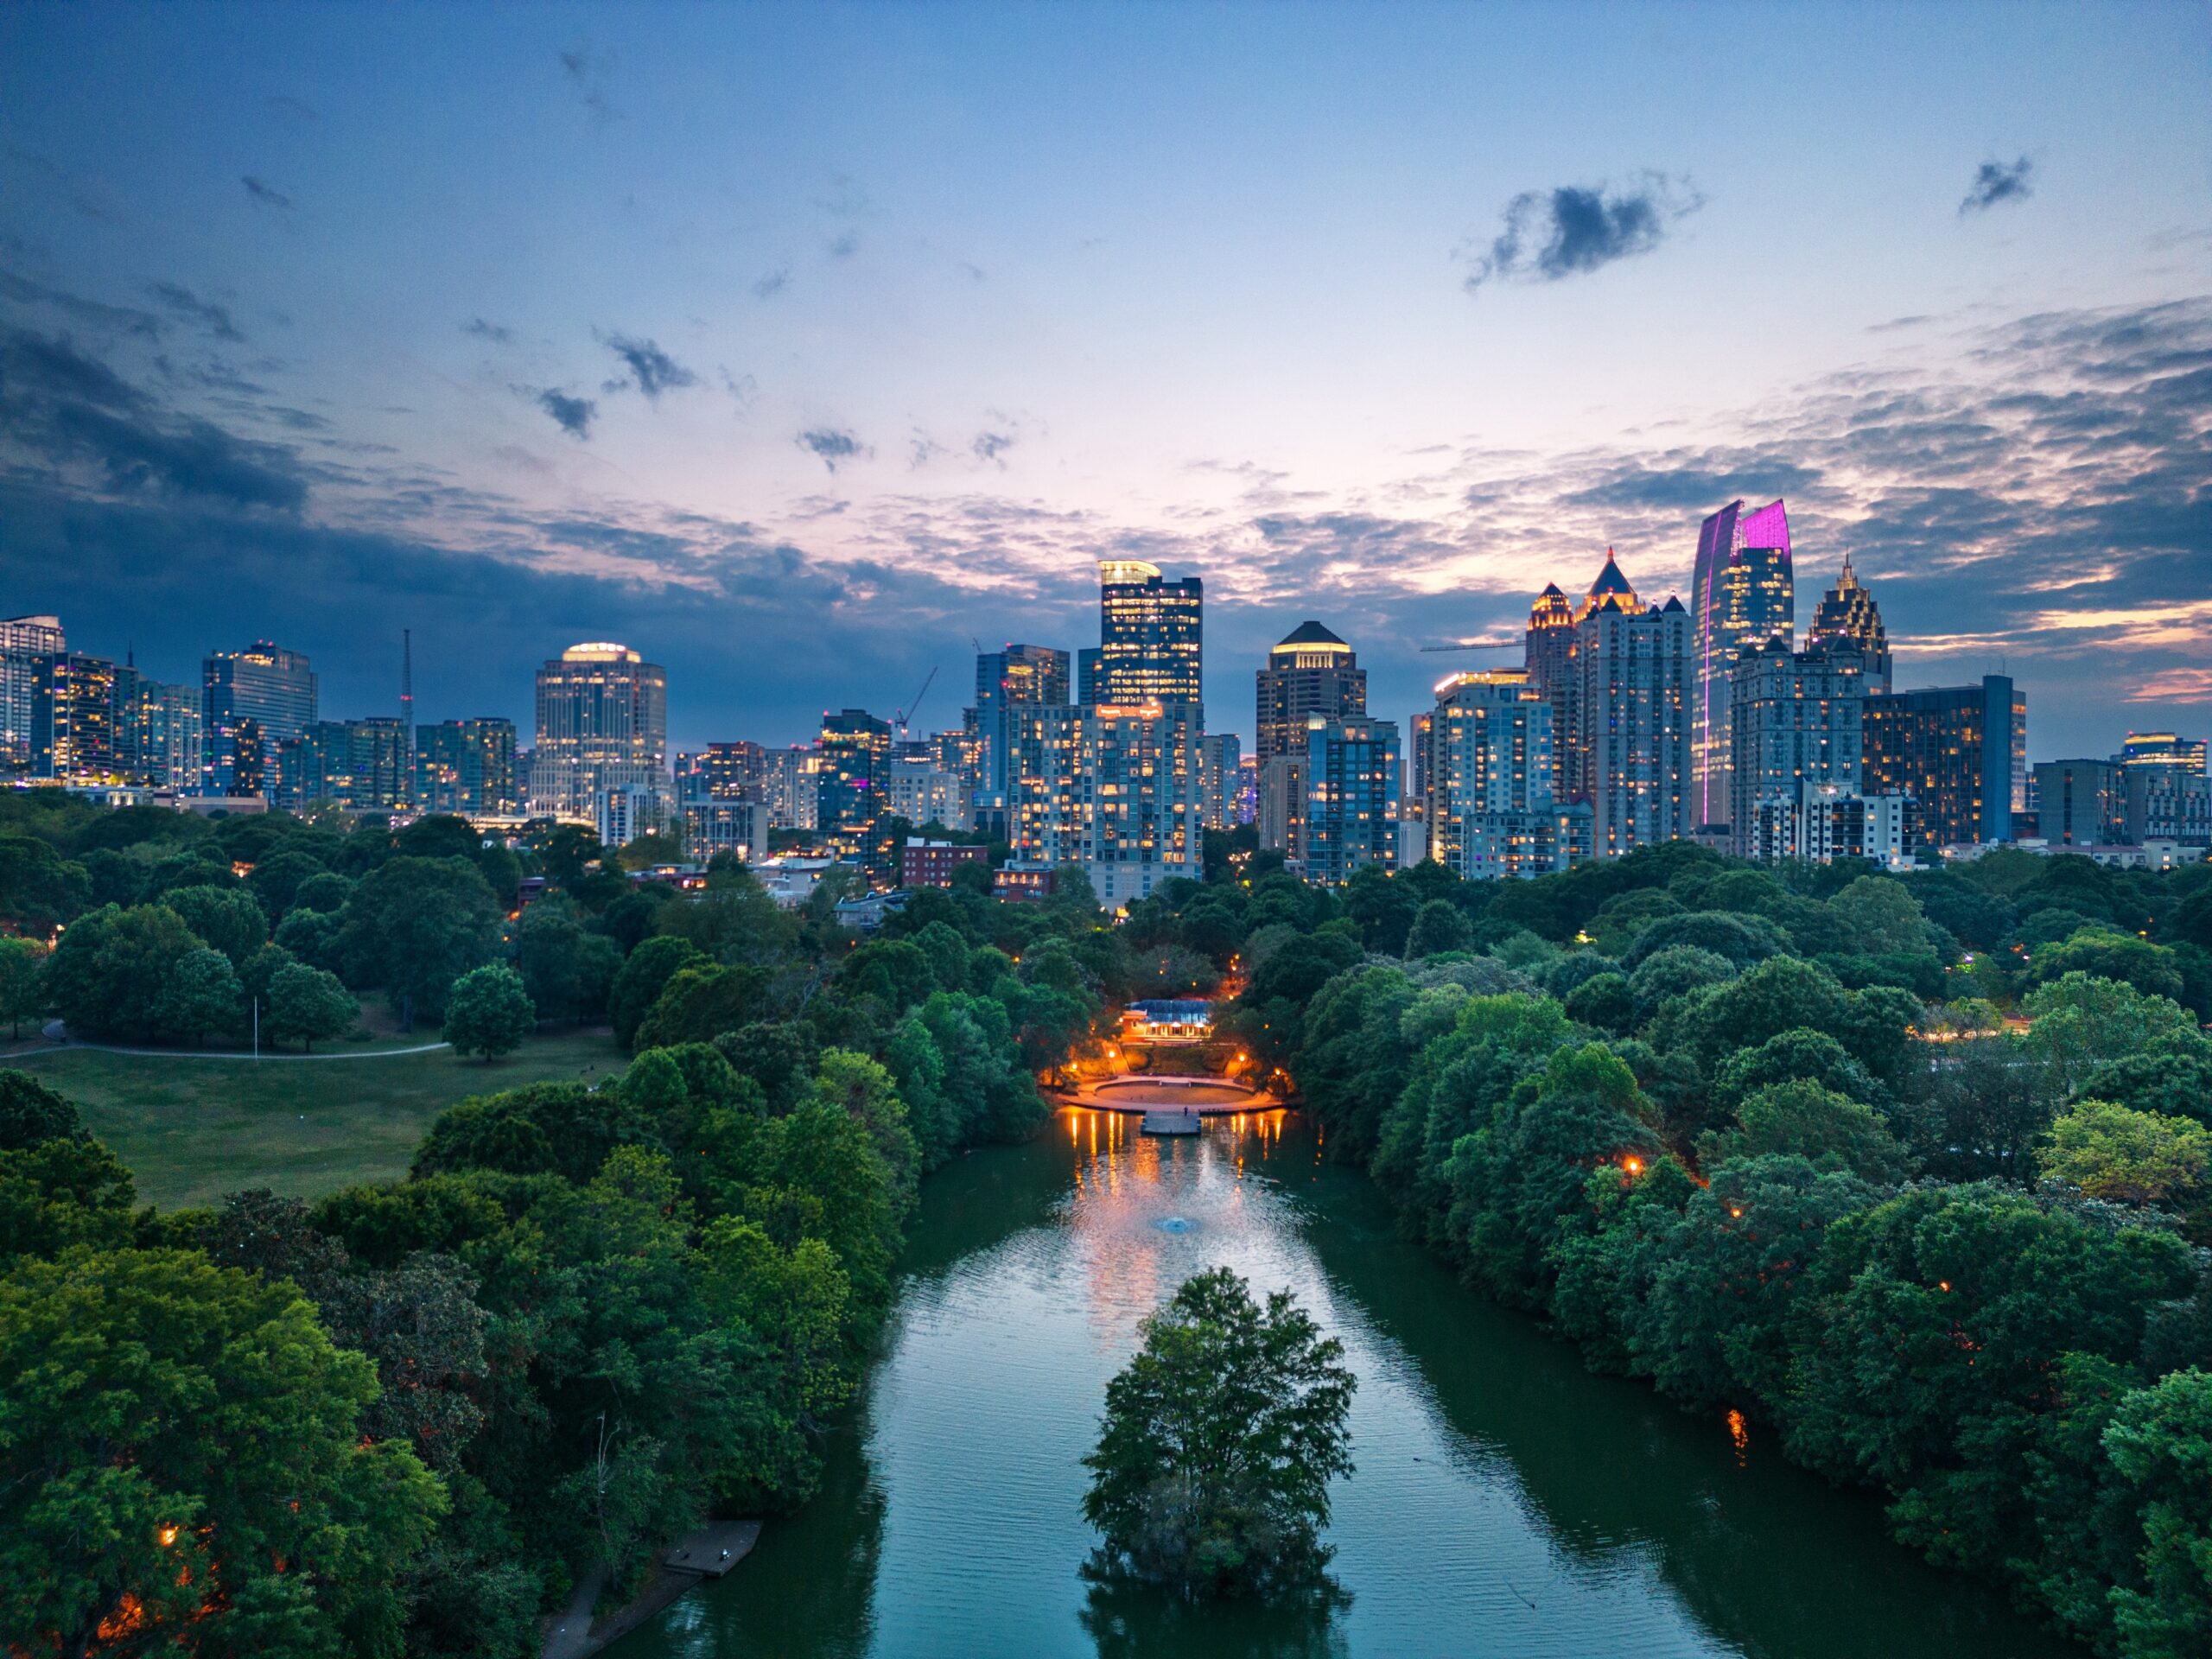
(801, 348)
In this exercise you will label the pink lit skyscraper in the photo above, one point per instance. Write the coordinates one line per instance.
(1740, 595)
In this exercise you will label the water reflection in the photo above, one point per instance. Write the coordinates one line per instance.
(1506, 1502)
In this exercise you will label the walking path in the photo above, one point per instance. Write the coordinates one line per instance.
(707, 1553)
(54, 1032)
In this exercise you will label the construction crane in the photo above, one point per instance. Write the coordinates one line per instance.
(899, 718)
(1479, 644)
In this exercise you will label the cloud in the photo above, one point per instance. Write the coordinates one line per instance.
(290, 109)
(1548, 235)
(773, 283)
(67, 410)
(266, 193)
(1996, 182)
(831, 446)
(844, 245)
(94, 313)
(215, 319)
(573, 415)
(491, 331)
(990, 447)
(589, 71)
(654, 369)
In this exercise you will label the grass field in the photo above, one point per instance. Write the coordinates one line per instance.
(192, 1129)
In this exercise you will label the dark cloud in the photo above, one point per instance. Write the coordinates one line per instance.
(92, 314)
(266, 193)
(844, 245)
(1571, 229)
(831, 446)
(773, 283)
(65, 410)
(491, 331)
(573, 415)
(654, 369)
(204, 313)
(1996, 182)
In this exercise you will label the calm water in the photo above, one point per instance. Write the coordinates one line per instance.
(1507, 1502)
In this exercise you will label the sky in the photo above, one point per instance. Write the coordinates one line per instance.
(804, 348)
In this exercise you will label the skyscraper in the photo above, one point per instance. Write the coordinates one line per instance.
(25, 641)
(251, 701)
(72, 719)
(1740, 594)
(1311, 672)
(1491, 811)
(1005, 680)
(1221, 758)
(2080, 803)
(2153, 749)
(466, 768)
(156, 732)
(1795, 718)
(1632, 690)
(1149, 636)
(1950, 748)
(602, 725)
(1351, 797)
(361, 765)
(853, 800)
(722, 771)
(1847, 618)
(1550, 658)
(1113, 789)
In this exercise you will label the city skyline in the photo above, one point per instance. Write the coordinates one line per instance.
(799, 390)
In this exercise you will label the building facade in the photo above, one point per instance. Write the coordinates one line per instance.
(360, 764)
(1549, 659)
(1150, 633)
(1351, 798)
(1281, 819)
(251, 701)
(2165, 804)
(852, 803)
(2159, 749)
(25, 643)
(1848, 619)
(466, 768)
(1491, 812)
(921, 792)
(1018, 677)
(1113, 789)
(1795, 718)
(603, 726)
(1221, 768)
(1741, 595)
(722, 771)
(931, 863)
(2080, 803)
(1633, 687)
(1311, 675)
(1823, 823)
(72, 719)
(737, 826)
(1951, 748)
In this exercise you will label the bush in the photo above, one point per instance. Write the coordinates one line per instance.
(488, 1012)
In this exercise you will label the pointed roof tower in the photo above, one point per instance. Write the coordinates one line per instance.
(1611, 588)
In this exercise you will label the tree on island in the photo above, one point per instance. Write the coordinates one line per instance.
(488, 1012)
(1218, 1443)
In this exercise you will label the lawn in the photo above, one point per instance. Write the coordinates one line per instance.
(192, 1129)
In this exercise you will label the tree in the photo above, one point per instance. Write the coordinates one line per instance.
(1880, 917)
(201, 997)
(180, 1452)
(413, 927)
(39, 889)
(2137, 1158)
(2149, 967)
(32, 1114)
(566, 970)
(1439, 926)
(642, 979)
(2079, 1021)
(488, 1012)
(2160, 1444)
(2172, 1076)
(22, 994)
(1831, 1130)
(108, 970)
(1218, 1443)
(228, 918)
(309, 1003)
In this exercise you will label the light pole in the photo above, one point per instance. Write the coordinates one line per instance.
(256, 1027)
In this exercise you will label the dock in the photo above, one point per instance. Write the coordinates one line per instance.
(714, 1551)
(1180, 1123)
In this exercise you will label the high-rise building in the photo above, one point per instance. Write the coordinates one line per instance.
(1550, 658)
(922, 792)
(1113, 789)
(72, 719)
(1740, 594)
(1847, 618)
(853, 802)
(1491, 811)
(1421, 746)
(1248, 789)
(2080, 803)
(466, 768)
(156, 732)
(1311, 673)
(602, 725)
(1149, 636)
(360, 765)
(1634, 673)
(2153, 749)
(2165, 804)
(1281, 816)
(792, 779)
(1351, 798)
(713, 825)
(1005, 680)
(1221, 767)
(25, 642)
(722, 771)
(251, 701)
(1822, 823)
(1795, 718)
(1951, 749)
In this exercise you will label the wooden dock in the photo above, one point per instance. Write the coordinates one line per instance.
(1172, 1123)
(714, 1551)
